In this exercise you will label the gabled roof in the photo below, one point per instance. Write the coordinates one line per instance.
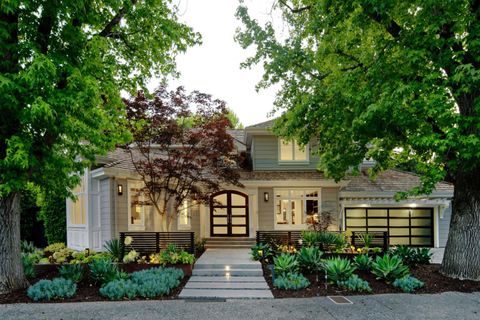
(262, 125)
(389, 181)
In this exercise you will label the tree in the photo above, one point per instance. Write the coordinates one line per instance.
(394, 81)
(62, 66)
(52, 214)
(235, 122)
(181, 148)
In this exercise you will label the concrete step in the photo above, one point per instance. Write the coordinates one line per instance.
(225, 294)
(223, 272)
(254, 266)
(228, 285)
(227, 246)
(212, 279)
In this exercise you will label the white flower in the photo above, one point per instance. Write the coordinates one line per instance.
(128, 240)
(131, 256)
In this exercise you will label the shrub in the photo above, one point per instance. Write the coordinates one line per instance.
(172, 256)
(310, 259)
(354, 283)
(363, 262)
(27, 247)
(52, 205)
(338, 269)
(408, 284)
(366, 238)
(132, 256)
(261, 251)
(291, 281)
(285, 263)
(72, 272)
(200, 246)
(412, 256)
(389, 268)
(28, 265)
(52, 289)
(423, 255)
(54, 247)
(149, 283)
(62, 256)
(114, 248)
(310, 238)
(332, 240)
(103, 271)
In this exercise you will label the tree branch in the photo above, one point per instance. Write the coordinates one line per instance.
(295, 10)
(107, 30)
(388, 23)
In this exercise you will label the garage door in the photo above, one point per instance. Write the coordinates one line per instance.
(408, 226)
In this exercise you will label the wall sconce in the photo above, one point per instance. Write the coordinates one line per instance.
(266, 196)
(120, 189)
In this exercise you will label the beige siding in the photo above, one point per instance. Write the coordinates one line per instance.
(121, 207)
(265, 210)
(329, 199)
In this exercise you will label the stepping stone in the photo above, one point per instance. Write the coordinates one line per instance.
(225, 279)
(223, 272)
(227, 285)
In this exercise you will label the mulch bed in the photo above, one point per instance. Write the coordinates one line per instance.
(434, 281)
(85, 292)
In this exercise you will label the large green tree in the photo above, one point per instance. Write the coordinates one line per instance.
(62, 67)
(395, 81)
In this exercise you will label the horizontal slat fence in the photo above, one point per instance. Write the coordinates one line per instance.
(379, 239)
(152, 242)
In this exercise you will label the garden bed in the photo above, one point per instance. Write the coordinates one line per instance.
(85, 292)
(434, 281)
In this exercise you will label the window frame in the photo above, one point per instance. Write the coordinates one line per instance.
(295, 146)
(71, 203)
(188, 208)
(135, 227)
(289, 198)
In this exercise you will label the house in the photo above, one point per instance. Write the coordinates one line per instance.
(282, 191)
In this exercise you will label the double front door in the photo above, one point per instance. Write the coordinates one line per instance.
(229, 214)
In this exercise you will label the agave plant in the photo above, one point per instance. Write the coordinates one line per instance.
(310, 259)
(114, 248)
(338, 269)
(389, 268)
(285, 263)
(363, 262)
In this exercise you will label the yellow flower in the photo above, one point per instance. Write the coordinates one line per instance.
(359, 249)
(128, 240)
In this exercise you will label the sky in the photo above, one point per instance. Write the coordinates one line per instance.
(214, 66)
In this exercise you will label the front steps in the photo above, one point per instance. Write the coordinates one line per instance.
(229, 243)
(226, 274)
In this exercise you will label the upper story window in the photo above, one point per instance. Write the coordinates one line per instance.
(290, 151)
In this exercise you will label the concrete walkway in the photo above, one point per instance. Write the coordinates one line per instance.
(437, 256)
(449, 305)
(226, 274)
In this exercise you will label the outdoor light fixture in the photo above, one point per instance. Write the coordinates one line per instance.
(265, 196)
(120, 189)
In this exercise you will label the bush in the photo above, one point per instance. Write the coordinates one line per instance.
(261, 251)
(363, 262)
(338, 269)
(52, 213)
(52, 289)
(149, 283)
(291, 281)
(27, 247)
(114, 248)
(412, 256)
(72, 272)
(131, 256)
(354, 283)
(62, 256)
(285, 263)
(172, 256)
(310, 259)
(103, 271)
(389, 268)
(408, 284)
(310, 238)
(54, 247)
(28, 264)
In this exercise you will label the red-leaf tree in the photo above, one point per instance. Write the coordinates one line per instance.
(181, 148)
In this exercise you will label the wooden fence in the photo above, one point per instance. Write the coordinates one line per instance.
(152, 242)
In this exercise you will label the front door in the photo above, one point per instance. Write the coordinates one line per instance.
(229, 214)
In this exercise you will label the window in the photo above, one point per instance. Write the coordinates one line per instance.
(184, 216)
(136, 207)
(77, 207)
(296, 208)
(291, 151)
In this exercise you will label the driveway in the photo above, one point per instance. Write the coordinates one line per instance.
(392, 306)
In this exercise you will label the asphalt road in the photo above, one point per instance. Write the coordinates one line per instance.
(391, 306)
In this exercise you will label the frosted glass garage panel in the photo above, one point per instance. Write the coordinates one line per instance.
(377, 222)
(356, 229)
(421, 213)
(398, 222)
(357, 223)
(238, 200)
(421, 222)
(421, 232)
(399, 213)
(399, 232)
(377, 213)
(356, 213)
(377, 228)
(400, 241)
(421, 241)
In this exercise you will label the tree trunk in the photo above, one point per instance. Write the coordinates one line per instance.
(462, 253)
(11, 269)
